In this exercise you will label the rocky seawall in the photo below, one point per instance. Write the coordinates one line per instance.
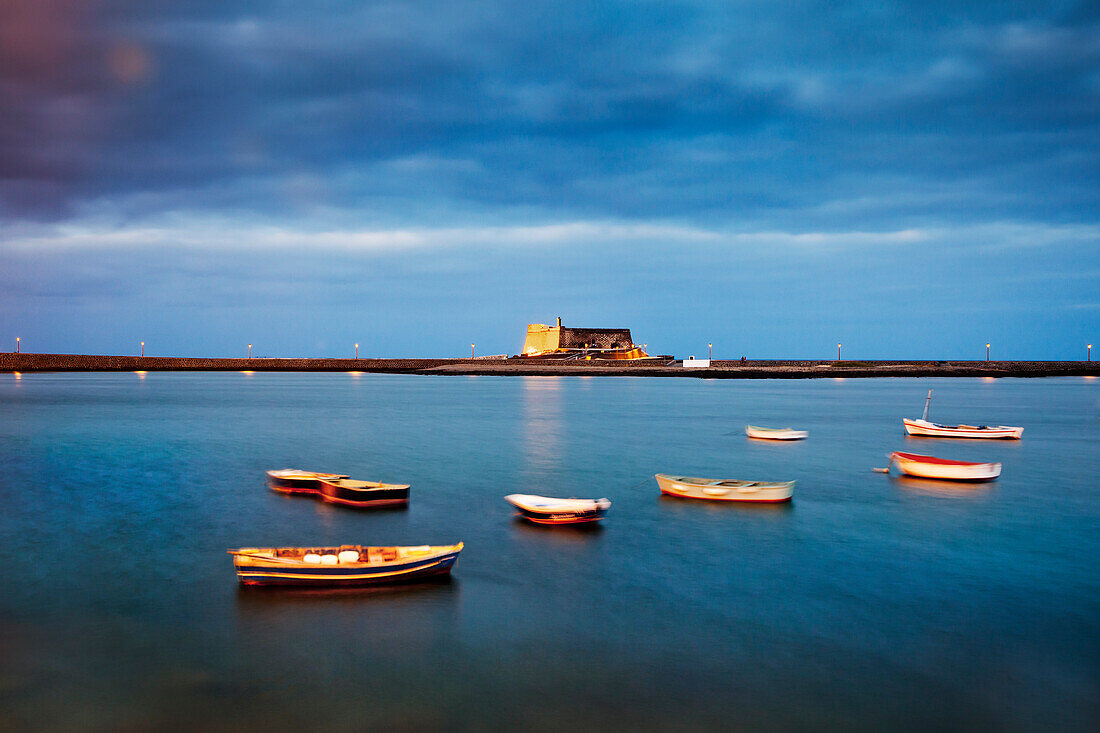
(756, 369)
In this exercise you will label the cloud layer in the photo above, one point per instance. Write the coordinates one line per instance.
(514, 138)
(754, 112)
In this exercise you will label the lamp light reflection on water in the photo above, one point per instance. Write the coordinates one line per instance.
(543, 429)
(249, 372)
(18, 375)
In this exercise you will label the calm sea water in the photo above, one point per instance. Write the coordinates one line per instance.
(869, 603)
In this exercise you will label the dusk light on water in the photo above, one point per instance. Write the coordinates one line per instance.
(609, 365)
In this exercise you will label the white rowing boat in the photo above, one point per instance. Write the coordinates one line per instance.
(754, 431)
(926, 429)
(549, 510)
(914, 464)
(690, 487)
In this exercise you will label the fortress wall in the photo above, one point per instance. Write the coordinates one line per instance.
(595, 338)
(541, 338)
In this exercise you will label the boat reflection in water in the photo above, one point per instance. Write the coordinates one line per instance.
(557, 535)
(677, 505)
(257, 597)
(942, 487)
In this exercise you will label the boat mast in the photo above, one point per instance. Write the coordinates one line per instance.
(927, 402)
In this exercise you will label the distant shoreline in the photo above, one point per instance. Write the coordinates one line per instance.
(754, 369)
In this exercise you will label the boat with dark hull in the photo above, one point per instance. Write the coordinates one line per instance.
(548, 510)
(343, 566)
(297, 481)
(349, 492)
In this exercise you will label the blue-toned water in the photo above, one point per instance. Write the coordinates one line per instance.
(869, 603)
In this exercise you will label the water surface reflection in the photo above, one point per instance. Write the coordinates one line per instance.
(851, 607)
(949, 489)
(542, 424)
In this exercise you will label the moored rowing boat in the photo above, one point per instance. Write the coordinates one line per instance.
(925, 429)
(914, 464)
(297, 481)
(754, 431)
(349, 492)
(690, 487)
(548, 510)
(346, 565)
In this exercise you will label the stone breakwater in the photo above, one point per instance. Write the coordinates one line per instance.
(755, 369)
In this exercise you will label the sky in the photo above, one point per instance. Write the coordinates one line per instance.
(911, 179)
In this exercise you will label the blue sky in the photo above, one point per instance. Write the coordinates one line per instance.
(913, 180)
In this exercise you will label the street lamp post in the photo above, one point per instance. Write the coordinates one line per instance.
(357, 351)
(143, 348)
(250, 351)
(471, 351)
(838, 352)
(1090, 352)
(708, 351)
(17, 344)
(987, 352)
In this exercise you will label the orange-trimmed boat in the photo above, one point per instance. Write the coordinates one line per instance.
(346, 565)
(548, 510)
(914, 464)
(297, 481)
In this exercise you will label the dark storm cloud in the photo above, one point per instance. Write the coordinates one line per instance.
(828, 115)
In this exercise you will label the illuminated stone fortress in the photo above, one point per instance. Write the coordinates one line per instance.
(559, 342)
